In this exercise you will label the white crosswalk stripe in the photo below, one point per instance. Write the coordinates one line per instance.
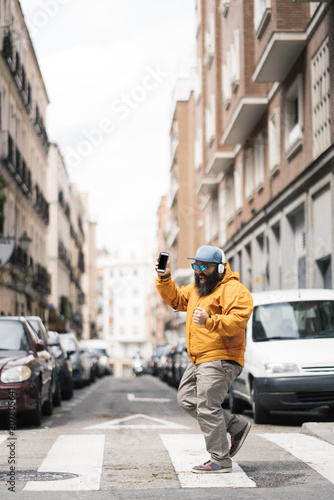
(316, 453)
(76, 454)
(187, 450)
(83, 455)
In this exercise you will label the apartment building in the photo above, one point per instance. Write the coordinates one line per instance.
(25, 280)
(184, 226)
(124, 285)
(51, 271)
(71, 252)
(264, 108)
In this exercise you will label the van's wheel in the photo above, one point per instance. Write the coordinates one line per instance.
(261, 415)
(235, 404)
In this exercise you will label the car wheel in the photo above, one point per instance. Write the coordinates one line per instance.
(260, 414)
(235, 404)
(57, 394)
(34, 417)
(68, 391)
(47, 407)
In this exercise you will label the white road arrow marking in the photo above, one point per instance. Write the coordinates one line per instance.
(316, 453)
(132, 397)
(187, 450)
(76, 454)
(122, 423)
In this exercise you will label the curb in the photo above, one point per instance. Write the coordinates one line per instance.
(319, 431)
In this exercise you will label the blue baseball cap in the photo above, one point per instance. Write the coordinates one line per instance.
(209, 253)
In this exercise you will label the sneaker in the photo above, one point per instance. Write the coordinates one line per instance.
(238, 439)
(210, 467)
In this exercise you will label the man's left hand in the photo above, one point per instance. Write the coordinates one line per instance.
(200, 316)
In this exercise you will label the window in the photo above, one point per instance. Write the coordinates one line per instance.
(274, 143)
(294, 119)
(229, 197)
(198, 15)
(198, 145)
(198, 79)
(224, 6)
(214, 217)
(259, 161)
(249, 174)
(321, 99)
(222, 217)
(231, 70)
(238, 186)
(262, 12)
(235, 61)
(227, 91)
(210, 39)
(210, 119)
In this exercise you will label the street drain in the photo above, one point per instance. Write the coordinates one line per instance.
(30, 475)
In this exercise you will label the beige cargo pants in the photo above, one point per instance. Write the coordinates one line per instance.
(201, 392)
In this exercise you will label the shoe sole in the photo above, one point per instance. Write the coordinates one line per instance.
(245, 434)
(212, 471)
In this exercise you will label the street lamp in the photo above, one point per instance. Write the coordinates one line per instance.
(25, 241)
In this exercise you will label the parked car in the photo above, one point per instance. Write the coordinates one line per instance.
(100, 346)
(39, 327)
(289, 354)
(79, 360)
(92, 360)
(25, 371)
(169, 370)
(161, 364)
(181, 360)
(63, 365)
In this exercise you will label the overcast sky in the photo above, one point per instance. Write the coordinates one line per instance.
(110, 67)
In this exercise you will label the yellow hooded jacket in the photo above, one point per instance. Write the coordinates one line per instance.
(229, 304)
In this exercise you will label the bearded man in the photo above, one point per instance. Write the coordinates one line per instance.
(218, 308)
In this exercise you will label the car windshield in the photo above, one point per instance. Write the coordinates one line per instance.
(293, 320)
(13, 336)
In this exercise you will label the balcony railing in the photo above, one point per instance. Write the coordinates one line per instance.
(13, 159)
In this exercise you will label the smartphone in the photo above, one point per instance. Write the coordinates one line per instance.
(162, 263)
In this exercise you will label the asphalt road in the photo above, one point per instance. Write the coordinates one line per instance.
(128, 439)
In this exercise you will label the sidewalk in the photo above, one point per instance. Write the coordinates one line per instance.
(321, 430)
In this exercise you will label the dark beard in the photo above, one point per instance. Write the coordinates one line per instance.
(207, 287)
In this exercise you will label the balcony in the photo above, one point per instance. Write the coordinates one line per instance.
(8, 50)
(41, 205)
(244, 119)
(206, 186)
(219, 162)
(7, 153)
(279, 56)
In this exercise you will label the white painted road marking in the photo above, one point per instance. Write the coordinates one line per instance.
(132, 397)
(76, 454)
(316, 453)
(187, 450)
(122, 423)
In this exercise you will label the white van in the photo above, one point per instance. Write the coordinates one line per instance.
(289, 360)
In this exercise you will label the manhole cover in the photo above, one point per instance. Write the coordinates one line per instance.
(30, 475)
